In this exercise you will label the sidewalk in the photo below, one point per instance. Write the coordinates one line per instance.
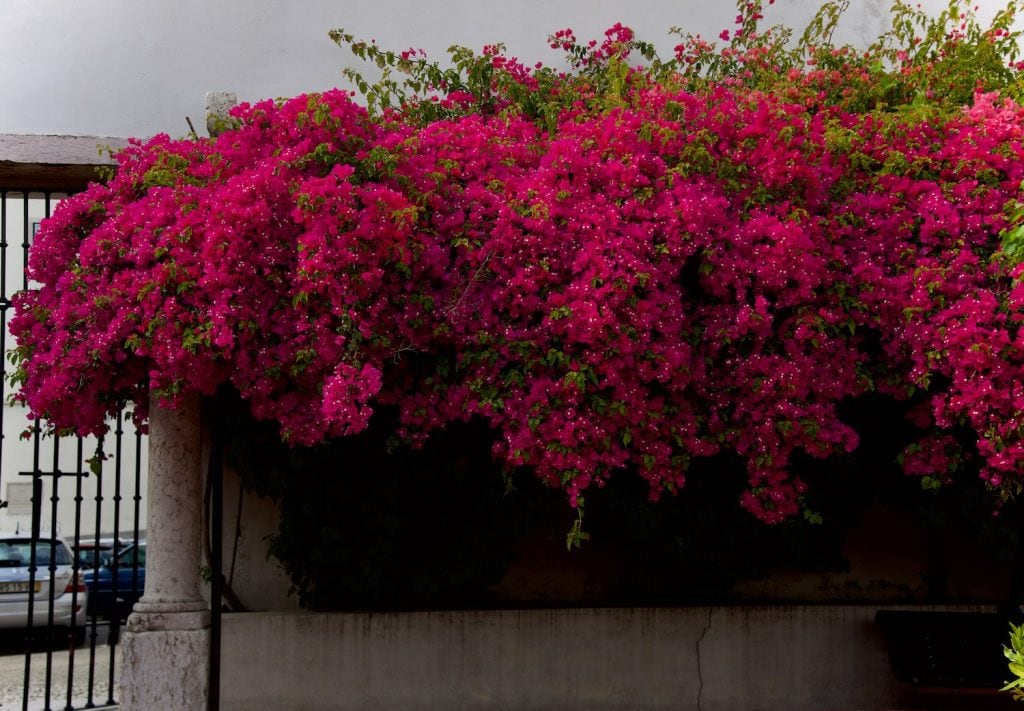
(12, 679)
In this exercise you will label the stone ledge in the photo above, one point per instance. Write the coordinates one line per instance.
(58, 150)
(53, 163)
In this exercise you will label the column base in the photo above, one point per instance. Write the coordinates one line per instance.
(154, 615)
(164, 669)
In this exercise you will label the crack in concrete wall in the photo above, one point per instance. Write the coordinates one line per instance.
(700, 673)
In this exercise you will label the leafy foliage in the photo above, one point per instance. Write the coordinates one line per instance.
(625, 266)
(1015, 656)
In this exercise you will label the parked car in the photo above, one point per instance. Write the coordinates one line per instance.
(94, 553)
(115, 586)
(17, 585)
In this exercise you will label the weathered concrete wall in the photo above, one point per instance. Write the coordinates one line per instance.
(706, 659)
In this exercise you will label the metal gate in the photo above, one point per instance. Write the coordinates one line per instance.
(72, 527)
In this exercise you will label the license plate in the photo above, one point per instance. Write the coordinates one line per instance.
(19, 586)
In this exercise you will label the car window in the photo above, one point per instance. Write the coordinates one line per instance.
(132, 557)
(87, 557)
(19, 553)
(9, 556)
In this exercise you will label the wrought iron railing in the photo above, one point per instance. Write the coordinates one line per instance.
(86, 492)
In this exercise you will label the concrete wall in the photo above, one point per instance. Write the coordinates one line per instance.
(114, 68)
(711, 659)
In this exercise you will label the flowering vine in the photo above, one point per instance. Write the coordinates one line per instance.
(618, 267)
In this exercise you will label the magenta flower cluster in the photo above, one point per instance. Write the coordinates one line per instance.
(673, 276)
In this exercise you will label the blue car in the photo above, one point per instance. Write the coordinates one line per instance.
(116, 585)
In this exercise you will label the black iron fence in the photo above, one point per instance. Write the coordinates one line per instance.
(72, 525)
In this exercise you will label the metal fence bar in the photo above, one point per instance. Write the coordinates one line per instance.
(115, 618)
(98, 468)
(37, 495)
(54, 498)
(74, 640)
(216, 474)
(137, 502)
(37, 484)
(52, 587)
(5, 304)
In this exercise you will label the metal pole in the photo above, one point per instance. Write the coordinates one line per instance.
(216, 554)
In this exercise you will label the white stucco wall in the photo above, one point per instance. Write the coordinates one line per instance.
(114, 68)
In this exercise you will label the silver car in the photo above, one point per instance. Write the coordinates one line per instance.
(68, 588)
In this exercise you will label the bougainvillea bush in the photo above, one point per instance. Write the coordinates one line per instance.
(620, 265)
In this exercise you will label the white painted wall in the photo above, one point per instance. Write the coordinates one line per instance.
(115, 68)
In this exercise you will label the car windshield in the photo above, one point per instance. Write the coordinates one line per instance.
(18, 552)
(134, 556)
(87, 557)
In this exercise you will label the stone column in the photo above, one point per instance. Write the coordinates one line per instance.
(166, 646)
